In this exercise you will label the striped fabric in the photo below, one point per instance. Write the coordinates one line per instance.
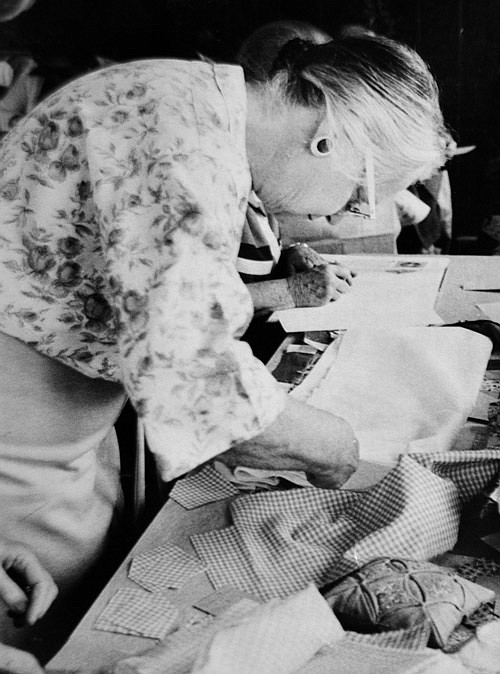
(259, 248)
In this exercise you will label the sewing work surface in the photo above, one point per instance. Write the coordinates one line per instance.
(215, 553)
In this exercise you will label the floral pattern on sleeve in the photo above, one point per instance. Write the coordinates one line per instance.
(122, 199)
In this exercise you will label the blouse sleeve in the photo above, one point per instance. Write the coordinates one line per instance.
(170, 232)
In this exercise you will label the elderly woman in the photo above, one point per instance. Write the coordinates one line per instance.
(122, 200)
(295, 275)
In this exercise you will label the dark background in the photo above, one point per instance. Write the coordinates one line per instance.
(460, 39)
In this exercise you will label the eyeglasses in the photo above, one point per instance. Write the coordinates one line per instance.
(362, 202)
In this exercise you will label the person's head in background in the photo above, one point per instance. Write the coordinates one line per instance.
(372, 93)
(259, 50)
(9, 9)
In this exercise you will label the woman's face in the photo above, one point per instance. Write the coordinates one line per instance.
(299, 183)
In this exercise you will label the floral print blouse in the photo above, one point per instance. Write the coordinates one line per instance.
(122, 201)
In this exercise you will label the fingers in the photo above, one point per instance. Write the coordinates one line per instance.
(338, 287)
(13, 661)
(43, 594)
(25, 586)
(342, 272)
(12, 595)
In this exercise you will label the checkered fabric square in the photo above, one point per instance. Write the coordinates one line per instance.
(139, 613)
(413, 639)
(201, 487)
(227, 560)
(476, 567)
(164, 566)
(281, 541)
(472, 471)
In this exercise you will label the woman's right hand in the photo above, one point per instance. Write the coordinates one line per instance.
(319, 285)
(25, 586)
(302, 438)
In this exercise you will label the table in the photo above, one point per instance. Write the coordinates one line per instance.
(88, 648)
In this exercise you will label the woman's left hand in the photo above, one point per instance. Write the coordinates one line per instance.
(25, 586)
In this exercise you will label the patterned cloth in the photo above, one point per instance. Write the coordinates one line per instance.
(139, 613)
(122, 201)
(281, 541)
(166, 566)
(201, 487)
(473, 472)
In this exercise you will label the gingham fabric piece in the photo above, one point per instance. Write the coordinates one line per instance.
(229, 561)
(474, 568)
(413, 639)
(140, 613)
(164, 566)
(472, 471)
(201, 487)
(282, 541)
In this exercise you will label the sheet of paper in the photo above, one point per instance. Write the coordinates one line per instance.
(486, 279)
(387, 290)
(492, 310)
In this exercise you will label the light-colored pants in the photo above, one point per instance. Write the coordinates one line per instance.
(59, 468)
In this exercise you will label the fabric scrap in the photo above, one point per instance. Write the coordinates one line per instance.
(282, 541)
(472, 471)
(164, 566)
(138, 613)
(201, 487)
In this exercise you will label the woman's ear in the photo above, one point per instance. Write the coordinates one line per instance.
(321, 146)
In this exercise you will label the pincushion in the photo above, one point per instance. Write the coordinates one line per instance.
(393, 594)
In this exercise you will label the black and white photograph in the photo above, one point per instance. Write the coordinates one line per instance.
(249, 337)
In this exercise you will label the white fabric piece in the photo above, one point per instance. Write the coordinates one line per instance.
(248, 479)
(402, 390)
(276, 638)
(482, 653)
(405, 390)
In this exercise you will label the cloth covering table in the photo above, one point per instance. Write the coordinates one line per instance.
(280, 541)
